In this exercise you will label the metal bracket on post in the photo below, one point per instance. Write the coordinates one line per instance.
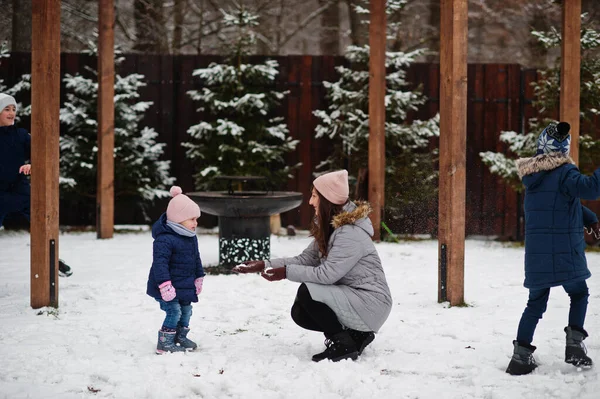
(98, 221)
(52, 272)
(443, 274)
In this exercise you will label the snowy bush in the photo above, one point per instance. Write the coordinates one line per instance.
(23, 86)
(411, 181)
(547, 96)
(140, 175)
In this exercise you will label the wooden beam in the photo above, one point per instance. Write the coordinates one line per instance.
(377, 36)
(453, 133)
(105, 202)
(570, 71)
(45, 108)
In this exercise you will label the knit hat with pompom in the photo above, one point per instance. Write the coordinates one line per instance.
(555, 138)
(181, 207)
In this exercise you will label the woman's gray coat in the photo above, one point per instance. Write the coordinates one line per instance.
(350, 280)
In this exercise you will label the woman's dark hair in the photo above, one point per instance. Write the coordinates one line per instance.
(320, 227)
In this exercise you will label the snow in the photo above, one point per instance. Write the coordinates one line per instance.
(103, 335)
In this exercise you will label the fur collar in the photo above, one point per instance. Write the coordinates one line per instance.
(543, 162)
(350, 216)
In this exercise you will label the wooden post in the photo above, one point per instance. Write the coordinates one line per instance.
(453, 133)
(45, 108)
(570, 71)
(105, 202)
(377, 36)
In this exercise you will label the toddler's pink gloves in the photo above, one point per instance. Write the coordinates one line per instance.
(198, 283)
(167, 291)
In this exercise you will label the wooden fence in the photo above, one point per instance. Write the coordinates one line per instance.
(499, 98)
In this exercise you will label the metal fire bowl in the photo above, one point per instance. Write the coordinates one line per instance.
(246, 203)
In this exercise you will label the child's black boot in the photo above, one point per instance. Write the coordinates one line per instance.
(575, 351)
(522, 361)
(64, 270)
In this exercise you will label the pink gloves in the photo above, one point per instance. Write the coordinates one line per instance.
(198, 283)
(167, 291)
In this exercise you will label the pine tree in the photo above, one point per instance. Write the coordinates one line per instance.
(24, 85)
(139, 174)
(411, 181)
(239, 134)
(547, 95)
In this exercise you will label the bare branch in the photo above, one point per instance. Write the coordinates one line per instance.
(309, 18)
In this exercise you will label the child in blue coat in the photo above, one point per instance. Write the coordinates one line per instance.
(554, 243)
(15, 151)
(176, 275)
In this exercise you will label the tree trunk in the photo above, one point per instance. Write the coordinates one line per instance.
(151, 34)
(434, 21)
(179, 10)
(21, 25)
(330, 28)
(358, 30)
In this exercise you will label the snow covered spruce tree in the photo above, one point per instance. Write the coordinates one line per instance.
(239, 134)
(411, 181)
(19, 89)
(140, 176)
(547, 95)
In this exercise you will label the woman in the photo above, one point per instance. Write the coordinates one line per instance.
(344, 293)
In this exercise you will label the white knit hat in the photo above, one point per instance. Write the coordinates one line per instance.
(6, 100)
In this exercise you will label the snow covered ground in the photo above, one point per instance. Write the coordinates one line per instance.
(100, 343)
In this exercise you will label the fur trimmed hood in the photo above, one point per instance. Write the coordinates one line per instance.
(355, 213)
(541, 163)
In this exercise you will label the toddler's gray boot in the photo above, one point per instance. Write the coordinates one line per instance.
(575, 351)
(522, 361)
(182, 339)
(166, 343)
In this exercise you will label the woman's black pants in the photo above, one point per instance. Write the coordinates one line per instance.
(313, 315)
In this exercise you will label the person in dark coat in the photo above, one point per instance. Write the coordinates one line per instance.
(15, 151)
(176, 275)
(554, 243)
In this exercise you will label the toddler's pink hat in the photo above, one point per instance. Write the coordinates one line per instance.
(333, 186)
(181, 207)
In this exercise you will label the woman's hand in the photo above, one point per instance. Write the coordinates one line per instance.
(25, 169)
(276, 274)
(250, 266)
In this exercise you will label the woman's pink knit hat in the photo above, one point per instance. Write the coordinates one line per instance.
(181, 207)
(333, 186)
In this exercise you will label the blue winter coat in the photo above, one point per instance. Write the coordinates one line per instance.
(15, 151)
(554, 219)
(175, 258)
